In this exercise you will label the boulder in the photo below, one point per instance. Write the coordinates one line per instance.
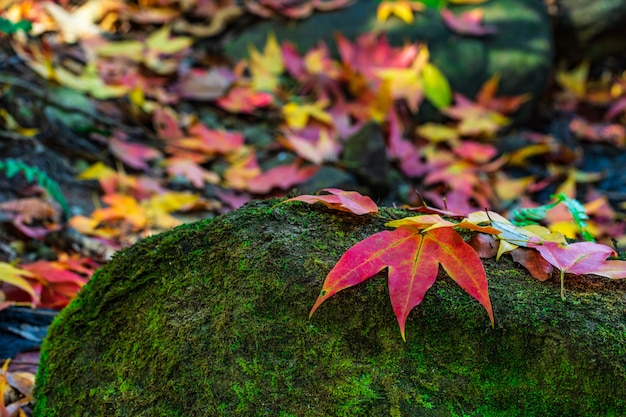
(212, 319)
(520, 51)
(590, 30)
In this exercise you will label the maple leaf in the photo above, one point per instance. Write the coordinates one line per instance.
(486, 97)
(315, 149)
(371, 53)
(316, 71)
(403, 9)
(349, 201)
(78, 23)
(407, 154)
(210, 141)
(297, 115)
(581, 258)
(160, 52)
(427, 222)
(475, 119)
(40, 60)
(30, 209)
(166, 124)
(16, 277)
(13, 409)
(438, 133)
(93, 227)
(158, 208)
(185, 167)
(611, 133)
(122, 207)
(575, 80)
(412, 257)
(204, 84)
(134, 155)
(58, 281)
(532, 260)
(405, 83)
(242, 99)
(266, 67)
(282, 176)
(293, 9)
(468, 23)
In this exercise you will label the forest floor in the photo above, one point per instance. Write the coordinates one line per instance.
(105, 140)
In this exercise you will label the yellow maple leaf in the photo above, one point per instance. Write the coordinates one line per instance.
(403, 9)
(438, 133)
(297, 115)
(15, 276)
(574, 80)
(243, 167)
(404, 83)
(92, 227)
(378, 108)
(266, 67)
(159, 207)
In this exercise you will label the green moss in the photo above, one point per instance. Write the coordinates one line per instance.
(211, 319)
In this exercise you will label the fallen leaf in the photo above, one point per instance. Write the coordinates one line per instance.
(467, 23)
(189, 169)
(350, 201)
(122, 207)
(475, 119)
(403, 9)
(534, 263)
(31, 209)
(413, 257)
(436, 87)
(316, 150)
(210, 141)
(135, 155)
(204, 84)
(266, 67)
(78, 23)
(581, 258)
(16, 277)
(297, 115)
(282, 177)
(244, 100)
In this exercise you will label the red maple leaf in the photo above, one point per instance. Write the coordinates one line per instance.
(349, 201)
(282, 176)
(468, 23)
(412, 256)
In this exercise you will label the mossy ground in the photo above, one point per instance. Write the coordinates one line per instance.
(211, 319)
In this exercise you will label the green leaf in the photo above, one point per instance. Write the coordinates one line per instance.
(10, 28)
(436, 87)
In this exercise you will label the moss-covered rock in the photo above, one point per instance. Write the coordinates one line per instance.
(211, 319)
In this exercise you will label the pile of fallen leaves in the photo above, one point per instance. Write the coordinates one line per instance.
(187, 134)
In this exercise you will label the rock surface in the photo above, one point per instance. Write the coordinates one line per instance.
(211, 319)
